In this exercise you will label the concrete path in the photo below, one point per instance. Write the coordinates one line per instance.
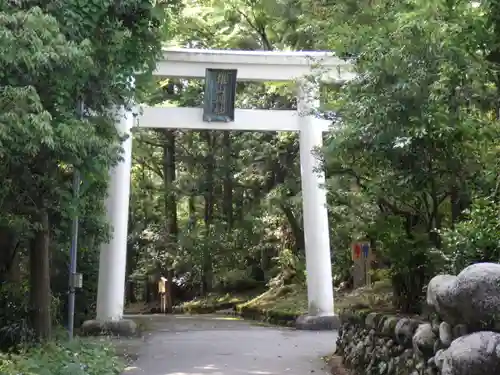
(219, 345)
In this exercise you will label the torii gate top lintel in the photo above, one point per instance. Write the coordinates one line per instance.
(252, 65)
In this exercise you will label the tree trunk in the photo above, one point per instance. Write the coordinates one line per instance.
(131, 297)
(207, 267)
(172, 229)
(147, 291)
(192, 212)
(169, 291)
(170, 196)
(9, 255)
(295, 227)
(40, 294)
(14, 275)
(193, 192)
(228, 180)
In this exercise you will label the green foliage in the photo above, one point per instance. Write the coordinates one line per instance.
(65, 51)
(73, 358)
(416, 135)
(14, 327)
(475, 239)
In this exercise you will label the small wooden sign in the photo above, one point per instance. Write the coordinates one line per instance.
(161, 286)
(360, 250)
(220, 94)
(362, 257)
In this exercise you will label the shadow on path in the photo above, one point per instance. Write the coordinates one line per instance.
(219, 345)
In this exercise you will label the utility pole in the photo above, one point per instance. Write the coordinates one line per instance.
(75, 279)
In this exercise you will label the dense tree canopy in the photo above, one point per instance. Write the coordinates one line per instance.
(65, 52)
(412, 160)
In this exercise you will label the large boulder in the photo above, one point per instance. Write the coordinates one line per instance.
(477, 293)
(475, 354)
(440, 296)
(472, 297)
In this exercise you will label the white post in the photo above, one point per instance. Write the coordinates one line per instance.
(113, 257)
(317, 239)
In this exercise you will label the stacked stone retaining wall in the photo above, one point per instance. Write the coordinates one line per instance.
(461, 339)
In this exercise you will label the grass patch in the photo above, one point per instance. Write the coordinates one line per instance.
(126, 348)
(78, 357)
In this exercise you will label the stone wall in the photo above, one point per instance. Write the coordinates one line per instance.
(460, 339)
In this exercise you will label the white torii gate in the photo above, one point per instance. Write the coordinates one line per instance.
(251, 66)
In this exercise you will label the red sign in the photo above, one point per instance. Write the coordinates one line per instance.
(356, 251)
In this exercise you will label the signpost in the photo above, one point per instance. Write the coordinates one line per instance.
(220, 93)
(361, 255)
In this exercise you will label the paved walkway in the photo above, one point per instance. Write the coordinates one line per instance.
(218, 345)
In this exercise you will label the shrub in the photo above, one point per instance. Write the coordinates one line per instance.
(237, 281)
(78, 357)
(14, 309)
(476, 239)
(15, 326)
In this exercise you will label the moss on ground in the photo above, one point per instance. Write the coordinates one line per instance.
(280, 305)
(293, 298)
(284, 304)
(213, 302)
(286, 299)
(201, 305)
(376, 297)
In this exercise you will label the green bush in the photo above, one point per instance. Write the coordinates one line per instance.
(476, 239)
(70, 358)
(237, 281)
(14, 310)
(380, 274)
(15, 326)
